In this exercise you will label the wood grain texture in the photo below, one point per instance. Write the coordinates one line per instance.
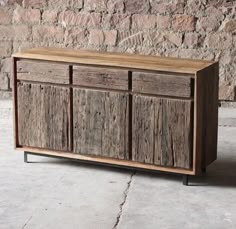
(43, 72)
(100, 77)
(161, 84)
(206, 117)
(100, 123)
(162, 132)
(44, 116)
(122, 60)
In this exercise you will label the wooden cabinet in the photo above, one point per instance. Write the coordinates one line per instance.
(120, 109)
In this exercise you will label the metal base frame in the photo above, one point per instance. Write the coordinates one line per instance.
(26, 153)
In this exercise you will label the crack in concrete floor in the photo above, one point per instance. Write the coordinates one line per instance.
(126, 192)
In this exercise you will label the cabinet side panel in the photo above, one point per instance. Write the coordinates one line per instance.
(44, 116)
(207, 112)
(162, 131)
(101, 123)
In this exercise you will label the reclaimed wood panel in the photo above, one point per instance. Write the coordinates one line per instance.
(42, 72)
(161, 84)
(43, 116)
(100, 123)
(162, 131)
(100, 77)
(123, 60)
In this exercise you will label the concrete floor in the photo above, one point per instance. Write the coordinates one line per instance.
(52, 193)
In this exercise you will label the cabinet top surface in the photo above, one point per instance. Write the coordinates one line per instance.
(112, 59)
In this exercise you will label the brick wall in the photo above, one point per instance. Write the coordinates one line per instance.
(203, 29)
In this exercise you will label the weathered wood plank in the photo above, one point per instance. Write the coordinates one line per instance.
(42, 72)
(100, 77)
(100, 123)
(161, 84)
(162, 131)
(43, 116)
(123, 60)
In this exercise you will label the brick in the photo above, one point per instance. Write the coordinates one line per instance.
(119, 21)
(5, 48)
(230, 26)
(97, 5)
(50, 16)
(6, 65)
(110, 37)
(22, 45)
(75, 35)
(153, 38)
(130, 38)
(115, 6)
(137, 6)
(191, 40)
(143, 21)
(212, 21)
(34, 3)
(163, 22)
(4, 82)
(219, 41)
(44, 33)
(226, 56)
(164, 7)
(5, 16)
(175, 38)
(183, 23)
(63, 4)
(196, 7)
(22, 15)
(14, 32)
(227, 91)
(99, 37)
(81, 19)
(10, 2)
(96, 37)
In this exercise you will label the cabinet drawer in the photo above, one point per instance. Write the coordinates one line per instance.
(162, 84)
(100, 123)
(43, 72)
(162, 131)
(100, 77)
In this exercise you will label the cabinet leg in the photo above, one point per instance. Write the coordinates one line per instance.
(25, 157)
(185, 180)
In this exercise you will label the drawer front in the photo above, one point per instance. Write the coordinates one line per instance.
(42, 72)
(162, 131)
(44, 116)
(100, 77)
(100, 123)
(161, 84)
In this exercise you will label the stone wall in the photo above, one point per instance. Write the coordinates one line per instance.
(203, 29)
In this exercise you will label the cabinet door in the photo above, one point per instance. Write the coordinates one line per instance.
(44, 116)
(162, 131)
(100, 123)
